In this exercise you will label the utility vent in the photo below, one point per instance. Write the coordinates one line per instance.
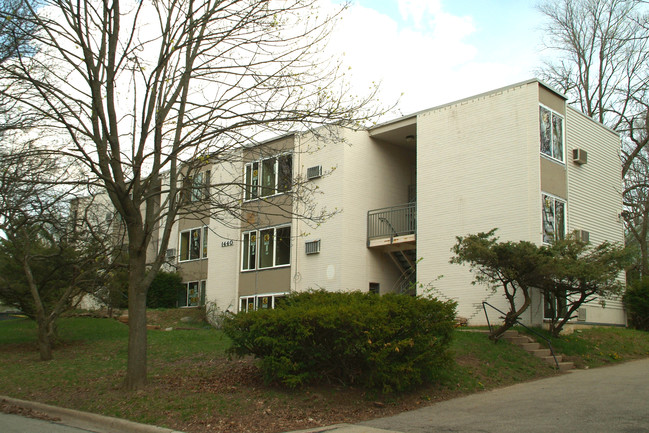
(579, 156)
(581, 314)
(314, 172)
(583, 235)
(312, 247)
(171, 253)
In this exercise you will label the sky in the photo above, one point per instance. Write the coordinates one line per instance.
(426, 53)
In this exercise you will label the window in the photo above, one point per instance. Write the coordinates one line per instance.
(554, 218)
(193, 294)
(193, 244)
(267, 248)
(554, 306)
(268, 177)
(197, 188)
(260, 302)
(551, 134)
(205, 229)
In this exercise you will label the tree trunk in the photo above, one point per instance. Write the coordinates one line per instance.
(44, 340)
(644, 258)
(136, 370)
(44, 325)
(512, 316)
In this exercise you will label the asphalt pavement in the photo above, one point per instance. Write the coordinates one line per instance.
(611, 399)
(608, 400)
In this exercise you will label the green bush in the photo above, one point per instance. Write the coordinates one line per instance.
(391, 342)
(163, 292)
(636, 301)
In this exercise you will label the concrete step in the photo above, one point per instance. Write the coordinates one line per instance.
(530, 346)
(550, 359)
(517, 340)
(536, 349)
(540, 353)
(566, 366)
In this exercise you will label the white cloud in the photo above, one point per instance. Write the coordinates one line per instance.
(427, 55)
(418, 9)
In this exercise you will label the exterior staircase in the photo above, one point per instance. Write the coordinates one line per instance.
(406, 261)
(534, 348)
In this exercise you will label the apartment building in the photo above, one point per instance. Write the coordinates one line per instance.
(517, 158)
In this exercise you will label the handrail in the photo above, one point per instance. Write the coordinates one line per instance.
(392, 221)
(526, 327)
(387, 221)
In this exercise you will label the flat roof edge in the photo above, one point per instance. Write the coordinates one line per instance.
(468, 98)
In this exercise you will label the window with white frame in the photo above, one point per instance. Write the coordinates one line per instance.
(260, 302)
(193, 244)
(192, 295)
(554, 305)
(196, 188)
(554, 218)
(266, 248)
(551, 125)
(268, 176)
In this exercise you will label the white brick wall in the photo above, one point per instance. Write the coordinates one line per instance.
(478, 168)
(224, 261)
(368, 175)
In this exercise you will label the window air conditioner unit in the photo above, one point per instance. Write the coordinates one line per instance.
(314, 172)
(581, 314)
(579, 156)
(583, 235)
(312, 247)
(171, 253)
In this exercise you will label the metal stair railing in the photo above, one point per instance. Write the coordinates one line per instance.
(392, 221)
(484, 307)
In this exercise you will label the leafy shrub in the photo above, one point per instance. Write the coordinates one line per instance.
(636, 301)
(163, 292)
(391, 342)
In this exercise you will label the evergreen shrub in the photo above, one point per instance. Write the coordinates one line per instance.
(390, 343)
(636, 301)
(163, 292)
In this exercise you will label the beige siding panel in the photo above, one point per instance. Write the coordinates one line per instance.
(553, 178)
(270, 148)
(267, 212)
(595, 199)
(194, 270)
(552, 100)
(477, 169)
(266, 281)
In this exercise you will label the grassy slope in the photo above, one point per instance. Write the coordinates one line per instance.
(595, 347)
(194, 387)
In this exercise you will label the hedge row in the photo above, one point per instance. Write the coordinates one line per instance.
(390, 342)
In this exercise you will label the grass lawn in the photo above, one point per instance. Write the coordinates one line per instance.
(194, 387)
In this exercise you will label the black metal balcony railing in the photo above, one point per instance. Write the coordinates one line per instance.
(392, 221)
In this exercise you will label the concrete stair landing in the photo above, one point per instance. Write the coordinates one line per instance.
(534, 348)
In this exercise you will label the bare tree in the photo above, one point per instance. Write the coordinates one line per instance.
(148, 91)
(602, 65)
(46, 259)
(15, 37)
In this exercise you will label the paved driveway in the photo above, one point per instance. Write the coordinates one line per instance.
(609, 399)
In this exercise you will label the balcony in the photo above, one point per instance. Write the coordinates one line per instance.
(392, 226)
